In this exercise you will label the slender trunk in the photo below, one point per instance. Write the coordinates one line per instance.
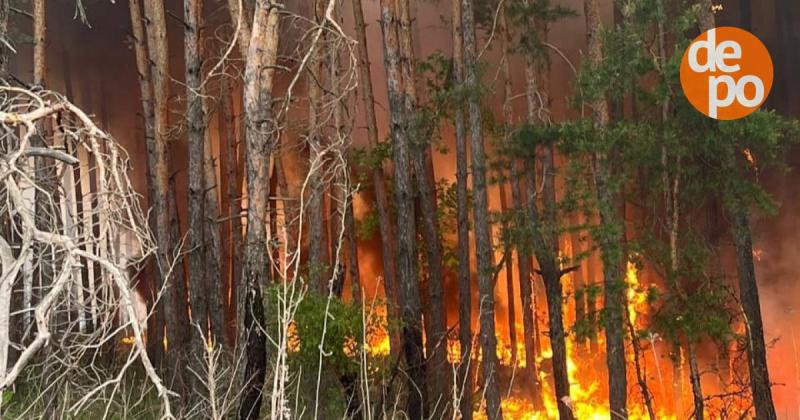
(226, 125)
(520, 193)
(545, 227)
(462, 218)
(378, 179)
(546, 249)
(212, 242)
(609, 243)
(751, 307)
(166, 312)
(354, 271)
(318, 258)
(480, 208)
(508, 113)
(148, 114)
(340, 187)
(47, 195)
(676, 357)
(512, 310)
(405, 250)
(39, 43)
(195, 133)
(697, 391)
(641, 379)
(260, 138)
(518, 190)
(579, 280)
(435, 328)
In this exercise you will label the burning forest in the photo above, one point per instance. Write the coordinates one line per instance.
(466, 209)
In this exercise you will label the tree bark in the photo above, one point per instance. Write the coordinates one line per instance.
(508, 113)
(260, 138)
(405, 249)
(148, 115)
(465, 370)
(546, 250)
(435, 327)
(641, 380)
(378, 178)
(697, 390)
(212, 241)
(318, 257)
(226, 125)
(545, 224)
(39, 42)
(512, 311)
(608, 241)
(168, 316)
(195, 133)
(480, 208)
(751, 306)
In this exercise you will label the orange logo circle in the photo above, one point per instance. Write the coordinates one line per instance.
(726, 73)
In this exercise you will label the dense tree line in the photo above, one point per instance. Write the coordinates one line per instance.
(262, 306)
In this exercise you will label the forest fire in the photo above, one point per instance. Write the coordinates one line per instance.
(304, 209)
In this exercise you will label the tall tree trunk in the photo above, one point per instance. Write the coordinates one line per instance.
(227, 123)
(195, 133)
(480, 208)
(512, 310)
(672, 212)
(39, 42)
(405, 250)
(260, 137)
(318, 258)
(546, 227)
(610, 241)
(435, 327)
(751, 306)
(148, 114)
(378, 179)
(546, 250)
(508, 113)
(168, 316)
(212, 241)
(518, 191)
(523, 257)
(465, 370)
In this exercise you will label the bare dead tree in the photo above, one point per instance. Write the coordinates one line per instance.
(115, 211)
